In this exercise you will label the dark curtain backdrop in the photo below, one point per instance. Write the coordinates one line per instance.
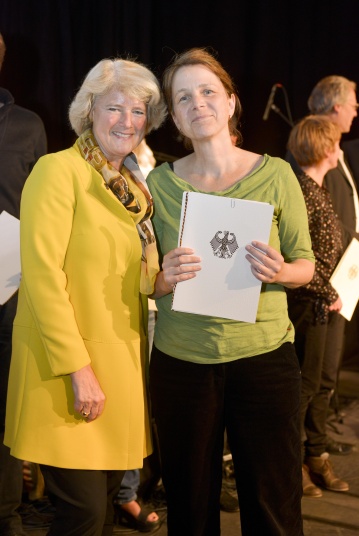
(51, 45)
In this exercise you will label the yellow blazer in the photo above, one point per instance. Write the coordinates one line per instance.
(79, 303)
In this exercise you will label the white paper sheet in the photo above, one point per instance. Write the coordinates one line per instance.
(225, 287)
(10, 273)
(345, 279)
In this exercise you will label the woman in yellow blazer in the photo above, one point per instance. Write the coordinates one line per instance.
(77, 395)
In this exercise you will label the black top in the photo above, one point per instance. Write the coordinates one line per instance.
(327, 244)
(22, 142)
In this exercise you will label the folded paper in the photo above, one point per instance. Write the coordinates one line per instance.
(9, 256)
(345, 279)
(218, 229)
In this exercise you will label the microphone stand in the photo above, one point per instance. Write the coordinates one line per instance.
(281, 114)
(277, 110)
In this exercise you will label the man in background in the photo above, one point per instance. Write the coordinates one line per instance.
(22, 142)
(351, 346)
(335, 98)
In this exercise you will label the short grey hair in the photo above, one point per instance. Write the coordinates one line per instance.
(328, 92)
(127, 76)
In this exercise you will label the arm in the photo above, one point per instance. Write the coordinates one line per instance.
(47, 212)
(268, 266)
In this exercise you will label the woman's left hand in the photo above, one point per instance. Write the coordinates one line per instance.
(268, 265)
(266, 262)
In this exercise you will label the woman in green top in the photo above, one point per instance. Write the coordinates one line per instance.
(201, 383)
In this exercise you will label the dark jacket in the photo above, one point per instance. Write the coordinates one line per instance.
(22, 142)
(341, 193)
(351, 153)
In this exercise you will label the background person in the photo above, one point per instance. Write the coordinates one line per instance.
(76, 399)
(334, 97)
(208, 374)
(314, 308)
(22, 142)
(129, 510)
(351, 346)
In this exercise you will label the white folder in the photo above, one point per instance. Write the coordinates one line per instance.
(218, 229)
(9, 256)
(345, 279)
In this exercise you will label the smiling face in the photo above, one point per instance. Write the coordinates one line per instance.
(201, 106)
(119, 124)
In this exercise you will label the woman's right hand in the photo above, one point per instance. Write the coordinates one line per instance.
(89, 397)
(179, 264)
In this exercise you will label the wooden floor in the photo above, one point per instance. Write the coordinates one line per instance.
(334, 514)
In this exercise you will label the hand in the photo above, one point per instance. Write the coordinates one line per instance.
(89, 397)
(180, 265)
(336, 306)
(266, 262)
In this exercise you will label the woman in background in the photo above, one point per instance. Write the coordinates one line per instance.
(314, 308)
(130, 512)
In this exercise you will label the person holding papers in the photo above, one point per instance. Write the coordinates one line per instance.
(208, 374)
(314, 308)
(22, 141)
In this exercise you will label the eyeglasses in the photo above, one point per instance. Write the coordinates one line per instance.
(355, 106)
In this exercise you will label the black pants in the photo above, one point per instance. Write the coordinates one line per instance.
(257, 401)
(83, 500)
(10, 468)
(319, 349)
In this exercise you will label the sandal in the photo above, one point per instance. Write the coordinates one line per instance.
(139, 523)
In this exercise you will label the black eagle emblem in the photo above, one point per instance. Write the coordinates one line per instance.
(224, 247)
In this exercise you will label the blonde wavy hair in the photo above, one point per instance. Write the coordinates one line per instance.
(127, 76)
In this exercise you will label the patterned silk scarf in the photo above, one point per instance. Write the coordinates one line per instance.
(119, 182)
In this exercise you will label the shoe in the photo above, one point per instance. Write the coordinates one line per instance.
(139, 523)
(321, 473)
(309, 488)
(228, 502)
(335, 447)
(37, 515)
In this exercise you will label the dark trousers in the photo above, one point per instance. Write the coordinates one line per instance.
(319, 349)
(10, 468)
(257, 401)
(83, 500)
(10, 490)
